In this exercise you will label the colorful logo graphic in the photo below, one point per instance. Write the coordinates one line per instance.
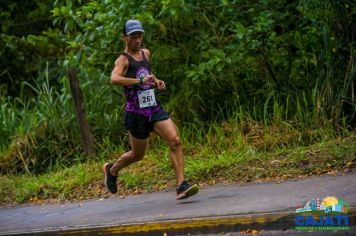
(328, 204)
(142, 72)
(328, 214)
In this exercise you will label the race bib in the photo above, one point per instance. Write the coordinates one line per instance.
(147, 98)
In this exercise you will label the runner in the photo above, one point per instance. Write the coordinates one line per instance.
(143, 114)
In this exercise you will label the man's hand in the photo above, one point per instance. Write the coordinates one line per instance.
(160, 84)
(148, 79)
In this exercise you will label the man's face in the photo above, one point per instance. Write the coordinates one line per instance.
(134, 41)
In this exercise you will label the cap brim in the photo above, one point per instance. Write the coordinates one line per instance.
(135, 30)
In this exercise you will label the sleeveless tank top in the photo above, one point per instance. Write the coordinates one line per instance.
(135, 70)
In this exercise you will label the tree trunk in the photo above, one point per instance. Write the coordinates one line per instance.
(86, 136)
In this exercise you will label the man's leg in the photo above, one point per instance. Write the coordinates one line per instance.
(168, 131)
(137, 152)
(138, 147)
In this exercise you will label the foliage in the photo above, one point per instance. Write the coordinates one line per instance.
(34, 142)
(28, 42)
(276, 63)
(219, 55)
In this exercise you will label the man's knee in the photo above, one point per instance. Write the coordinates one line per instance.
(175, 142)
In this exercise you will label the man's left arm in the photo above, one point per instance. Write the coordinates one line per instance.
(160, 84)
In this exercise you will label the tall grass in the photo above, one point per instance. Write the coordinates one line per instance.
(41, 133)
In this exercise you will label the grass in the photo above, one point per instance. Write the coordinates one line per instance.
(61, 184)
(223, 156)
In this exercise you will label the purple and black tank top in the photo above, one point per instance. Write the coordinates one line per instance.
(135, 70)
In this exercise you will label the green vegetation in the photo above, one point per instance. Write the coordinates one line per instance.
(259, 89)
(232, 157)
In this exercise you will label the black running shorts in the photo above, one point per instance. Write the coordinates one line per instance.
(141, 126)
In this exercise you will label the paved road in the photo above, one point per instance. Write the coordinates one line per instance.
(214, 201)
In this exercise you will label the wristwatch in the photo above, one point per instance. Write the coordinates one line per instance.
(141, 79)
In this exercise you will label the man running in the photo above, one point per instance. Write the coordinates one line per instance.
(143, 114)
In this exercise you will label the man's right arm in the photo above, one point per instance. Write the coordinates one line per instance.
(117, 75)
